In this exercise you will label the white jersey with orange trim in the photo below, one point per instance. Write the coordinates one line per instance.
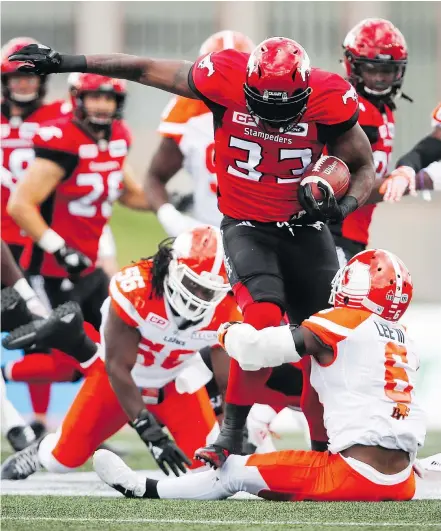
(164, 350)
(190, 124)
(367, 392)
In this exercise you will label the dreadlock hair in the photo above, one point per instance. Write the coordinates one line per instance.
(159, 266)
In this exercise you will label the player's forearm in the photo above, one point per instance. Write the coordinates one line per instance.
(135, 199)
(168, 75)
(375, 195)
(424, 153)
(125, 388)
(155, 190)
(362, 182)
(28, 217)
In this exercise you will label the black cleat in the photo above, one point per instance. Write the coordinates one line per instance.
(62, 328)
(212, 455)
(15, 313)
(20, 437)
(38, 428)
(22, 464)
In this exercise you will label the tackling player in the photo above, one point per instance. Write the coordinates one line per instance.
(273, 114)
(374, 422)
(160, 313)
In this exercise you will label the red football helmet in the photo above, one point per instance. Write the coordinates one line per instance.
(377, 44)
(374, 280)
(277, 83)
(197, 280)
(8, 68)
(81, 84)
(225, 40)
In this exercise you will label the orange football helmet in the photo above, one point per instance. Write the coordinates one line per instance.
(373, 280)
(9, 68)
(225, 40)
(197, 280)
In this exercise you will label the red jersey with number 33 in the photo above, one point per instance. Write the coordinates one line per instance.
(259, 173)
(163, 350)
(382, 124)
(82, 202)
(17, 152)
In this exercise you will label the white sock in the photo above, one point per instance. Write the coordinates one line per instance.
(46, 457)
(202, 486)
(10, 417)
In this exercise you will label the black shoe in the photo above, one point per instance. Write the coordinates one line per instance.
(15, 313)
(212, 455)
(63, 326)
(38, 428)
(22, 464)
(20, 437)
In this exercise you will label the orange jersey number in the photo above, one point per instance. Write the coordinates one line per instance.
(395, 375)
(148, 350)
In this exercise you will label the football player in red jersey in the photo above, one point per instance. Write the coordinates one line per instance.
(78, 173)
(22, 111)
(273, 115)
(375, 59)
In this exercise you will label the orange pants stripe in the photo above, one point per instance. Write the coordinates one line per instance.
(321, 476)
(95, 415)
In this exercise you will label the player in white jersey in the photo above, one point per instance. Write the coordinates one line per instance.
(188, 142)
(363, 368)
(160, 312)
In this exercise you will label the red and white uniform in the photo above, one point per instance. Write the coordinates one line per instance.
(164, 349)
(259, 173)
(356, 225)
(17, 152)
(82, 202)
(190, 124)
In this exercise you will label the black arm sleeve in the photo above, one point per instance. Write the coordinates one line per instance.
(298, 338)
(424, 153)
(327, 134)
(67, 161)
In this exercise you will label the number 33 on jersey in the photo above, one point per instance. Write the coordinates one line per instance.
(82, 202)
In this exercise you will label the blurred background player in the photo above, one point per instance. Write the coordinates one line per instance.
(160, 312)
(23, 110)
(420, 168)
(65, 197)
(375, 59)
(188, 142)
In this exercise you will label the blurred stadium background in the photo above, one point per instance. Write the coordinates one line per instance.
(176, 29)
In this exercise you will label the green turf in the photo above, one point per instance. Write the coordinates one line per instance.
(30, 512)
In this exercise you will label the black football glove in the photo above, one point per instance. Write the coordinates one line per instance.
(162, 448)
(326, 209)
(73, 261)
(40, 59)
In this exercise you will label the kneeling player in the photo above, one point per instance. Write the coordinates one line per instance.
(160, 313)
(363, 364)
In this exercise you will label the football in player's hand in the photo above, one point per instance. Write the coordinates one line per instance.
(329, 171)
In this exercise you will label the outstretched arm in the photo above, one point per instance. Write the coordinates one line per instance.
(168, 75)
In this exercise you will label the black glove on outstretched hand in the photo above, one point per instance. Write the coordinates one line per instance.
(73, 261)
(162, 448)
(40, 59)
(327, 208)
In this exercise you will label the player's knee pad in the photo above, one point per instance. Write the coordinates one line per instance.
(47, 458)
(263, 314)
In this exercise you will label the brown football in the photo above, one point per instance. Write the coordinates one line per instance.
(330, 171)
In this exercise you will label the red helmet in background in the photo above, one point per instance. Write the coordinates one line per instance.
(373, 280)
(277, 83)
(378, 43)
(82, 84)
(196, 281)
(225, 40)
(10, 68)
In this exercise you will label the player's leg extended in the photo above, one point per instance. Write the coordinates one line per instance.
(252, 265)
(189, 418)
(93, 417)
(94, 291)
